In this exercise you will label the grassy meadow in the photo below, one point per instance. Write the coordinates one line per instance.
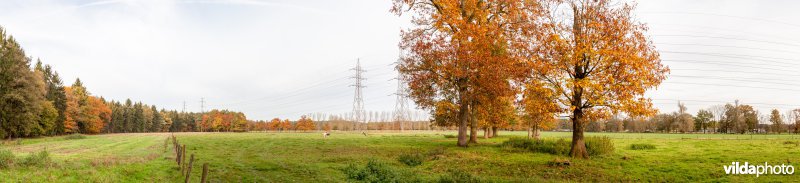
(308, 157)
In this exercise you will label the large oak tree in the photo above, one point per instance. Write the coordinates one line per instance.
(597, 58)
(457, 53)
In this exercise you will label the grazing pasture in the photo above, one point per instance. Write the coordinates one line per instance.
(420, 156)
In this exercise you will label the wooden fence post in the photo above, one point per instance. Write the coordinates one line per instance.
(178, 154)
(183, 158)
(205, 173)
(189, 168)
(183, 153)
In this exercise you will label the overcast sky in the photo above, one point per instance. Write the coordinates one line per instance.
(275, 58)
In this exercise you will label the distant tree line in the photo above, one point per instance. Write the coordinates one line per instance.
(35, 102)
(335, 122)
(728, 118)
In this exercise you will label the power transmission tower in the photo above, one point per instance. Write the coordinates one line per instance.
(202, 105)
(358, 99)
(184, 106)
(401, 112)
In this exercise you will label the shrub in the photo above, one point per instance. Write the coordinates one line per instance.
(75, 136)
(376, 171)
(449, 136)
(557, 147)
(41, 158)
(642, 146)
(411, 159)
(6, 158)
(599, 145)
(519, 143)
(458, 176)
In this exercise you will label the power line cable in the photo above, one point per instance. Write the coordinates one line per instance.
(727, 64)
(727, 16)
(737, 56)
(719, 101)
(728, 38)
(727, 85)
(729, 46)
(751, 81)
(289, 93)
(730, 71)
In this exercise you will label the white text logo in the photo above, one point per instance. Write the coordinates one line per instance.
(736, 168)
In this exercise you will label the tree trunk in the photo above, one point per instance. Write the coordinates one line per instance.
(486, 133)
(530, 132)
(536, 134)
(462, 126)
(578, 146)
(494, 132)
(473, 128)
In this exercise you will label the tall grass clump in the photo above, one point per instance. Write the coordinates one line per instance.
(594, 145)
(599, 145)
(6, 158)
(38, 159)
(376, 171)
(642, 146)
(557, 147)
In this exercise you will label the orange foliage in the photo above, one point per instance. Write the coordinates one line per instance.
(275, 124)
(597, 59)
(223, 120)
(496, 112)
(205, 123)
(305, 124)
(540, 105)
(458, 53)
(94, 115)
(326, 127)
(89, 116)
(71, 113)
(286, 125)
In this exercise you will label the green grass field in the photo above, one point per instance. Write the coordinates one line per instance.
(308, 157)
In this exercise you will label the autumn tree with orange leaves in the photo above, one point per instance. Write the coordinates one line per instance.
(495, 113)
(71, 112)
(456, 53)
(84, 113)
(305, 124)
(286, 125)
(275, 124)
(223, 121)
(94, 115)
(596, 57)
(540, 107)
(326, 127)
